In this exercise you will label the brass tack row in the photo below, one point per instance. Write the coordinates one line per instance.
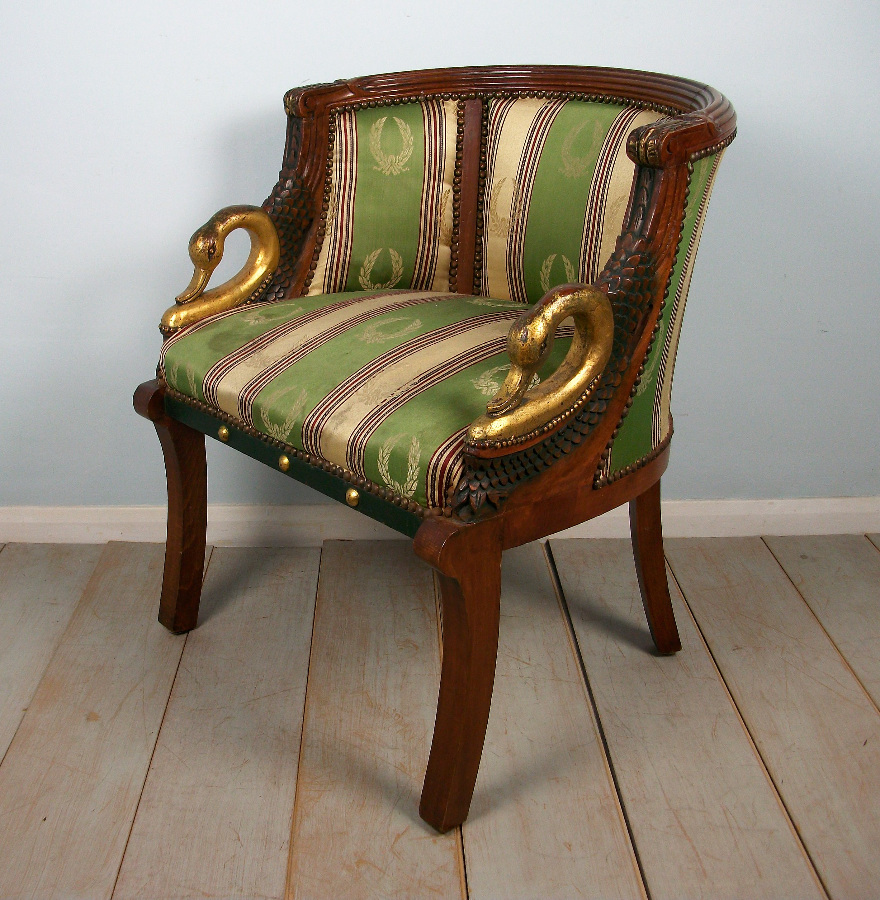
(364, 484)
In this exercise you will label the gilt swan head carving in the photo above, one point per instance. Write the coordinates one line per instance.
(206, 251)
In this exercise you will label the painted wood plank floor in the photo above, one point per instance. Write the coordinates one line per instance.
(278, 750)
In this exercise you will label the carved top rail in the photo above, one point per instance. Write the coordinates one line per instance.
(700, 116)
(697, 121)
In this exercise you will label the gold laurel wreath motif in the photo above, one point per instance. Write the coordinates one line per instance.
(547, 267)
(367, 269)
(615, 210)
(648, 374)
(282, 432)
(576, 166)
(412, 465)
(331, 204)
(500, 225)
(488, 301)
(446, 217)
(487, 384)
(391, 163)
(263, 314)
(373, 333)
(172, 371)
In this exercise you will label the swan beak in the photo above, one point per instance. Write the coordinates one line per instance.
(196, 286)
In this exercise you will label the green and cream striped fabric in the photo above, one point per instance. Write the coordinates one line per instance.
(557, 185)
(389, 222)
(648, 422)
(382, 383)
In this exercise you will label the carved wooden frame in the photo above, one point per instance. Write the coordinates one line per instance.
(561, 486)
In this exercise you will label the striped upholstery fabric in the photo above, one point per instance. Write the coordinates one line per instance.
(389, 224)
(648, 422)
(382, 383)
(557, 185)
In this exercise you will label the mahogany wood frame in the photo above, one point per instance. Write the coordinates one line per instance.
(467, 555)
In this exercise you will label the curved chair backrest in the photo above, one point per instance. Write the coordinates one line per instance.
(504, 182)
(551, 203)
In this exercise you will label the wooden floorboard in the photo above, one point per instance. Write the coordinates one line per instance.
(215, 816)
(40, 584)
(718, 786)
(372, 694)
(816, 729)
(71, 780)
(545, 819)
(839, 577)
(706, 819)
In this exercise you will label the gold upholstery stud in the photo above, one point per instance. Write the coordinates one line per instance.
(223, 433)
(283, 463)
(352, 497)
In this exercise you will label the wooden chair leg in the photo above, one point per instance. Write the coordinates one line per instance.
(470, 609)
(186, 472)
(647, 540)
(187, 475)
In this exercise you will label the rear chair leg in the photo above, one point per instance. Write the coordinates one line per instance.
(186, 471)
(647, 540)
(470, 610)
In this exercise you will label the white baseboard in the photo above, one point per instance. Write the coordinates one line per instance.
(252, 526)
(309, 526)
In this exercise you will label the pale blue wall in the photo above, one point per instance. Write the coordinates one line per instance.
(125, 126)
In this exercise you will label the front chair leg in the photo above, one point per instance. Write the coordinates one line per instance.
(647, 540)
(187, 476)
(470, 610)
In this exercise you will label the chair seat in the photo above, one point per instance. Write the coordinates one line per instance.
(382, 383)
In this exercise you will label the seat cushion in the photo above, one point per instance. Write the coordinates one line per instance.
(383, 384)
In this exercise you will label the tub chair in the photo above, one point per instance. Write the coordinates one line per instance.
(459, 317)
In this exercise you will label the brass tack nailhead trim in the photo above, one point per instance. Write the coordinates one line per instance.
(290, 451)
(456, 195)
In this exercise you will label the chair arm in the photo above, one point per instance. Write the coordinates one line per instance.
(206, 251)
(673, 140)
(519, 412)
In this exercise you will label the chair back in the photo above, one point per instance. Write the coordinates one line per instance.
(551, 201)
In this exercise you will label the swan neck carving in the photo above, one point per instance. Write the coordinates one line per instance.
(206, 251)
(520, 412)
